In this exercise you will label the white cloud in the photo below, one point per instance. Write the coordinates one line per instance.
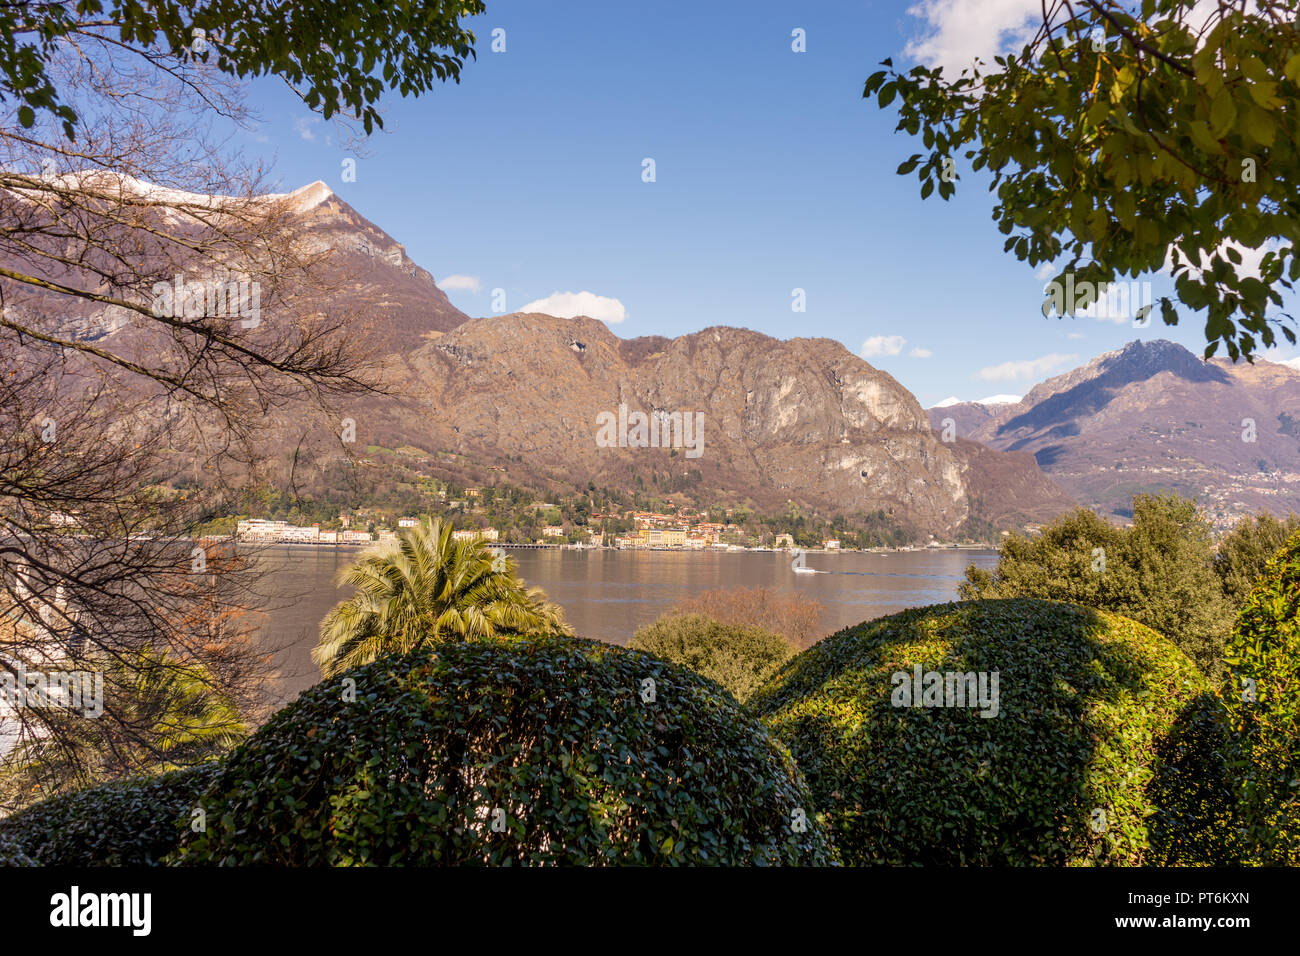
(1275, 356)
(1250, 258)
(1119, 302)
(883, 345)
(306, 127)
(1075, 335)
(1026, 369)
(957, 31)
(459, 283)
(920, 353)
(1045, 270)
(568, 305)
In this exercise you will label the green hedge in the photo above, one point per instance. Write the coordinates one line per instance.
(1095, 713)
(550, 740)
(133, 822)
(738, 658)
(1263, 656)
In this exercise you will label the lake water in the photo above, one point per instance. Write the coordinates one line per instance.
(609, 594)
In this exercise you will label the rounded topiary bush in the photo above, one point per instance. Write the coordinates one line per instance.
(133, 822)
(739, 658)
(1263, 656)
(1086, 729)
(555, 750)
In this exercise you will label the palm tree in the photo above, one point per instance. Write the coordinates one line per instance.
(426, 588)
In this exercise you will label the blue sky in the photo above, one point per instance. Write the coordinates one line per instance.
(772, 173)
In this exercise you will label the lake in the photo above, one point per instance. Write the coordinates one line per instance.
(608, 594)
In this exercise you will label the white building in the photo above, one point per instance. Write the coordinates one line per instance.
(260, 529)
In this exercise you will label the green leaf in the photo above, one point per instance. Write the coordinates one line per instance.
(908, 165)
(1222, 112)
(1260, 126)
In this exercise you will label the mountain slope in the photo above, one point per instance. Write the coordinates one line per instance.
(519, 398)
(400, 301)
(1150, 417)
(801, 420)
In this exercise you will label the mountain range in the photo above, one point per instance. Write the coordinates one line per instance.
(1153, 417)
(799, 423)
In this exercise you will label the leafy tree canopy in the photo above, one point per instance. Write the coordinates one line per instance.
(1264, 658)
(1244, 552)
(1159, 572)
(339, 57)
(1132, 138)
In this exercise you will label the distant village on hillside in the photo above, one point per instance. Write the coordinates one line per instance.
(652, 530)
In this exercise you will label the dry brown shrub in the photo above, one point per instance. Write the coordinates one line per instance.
(794, 616)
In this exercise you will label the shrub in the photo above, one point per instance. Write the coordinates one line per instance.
(1159, 572)
(539, 750)
(738, 658)
(794, 616)
(1087, 718)
(133, 822)
(1264, 701)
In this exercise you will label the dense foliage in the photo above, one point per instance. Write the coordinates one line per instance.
(738, 658)
(11, 852)
(1245, 551)
(133, 822)
(335, 59)
(1264, 701)
(427, 588)
(1093, 711)
(1159, 572)
(1132, 138)
(556, 750)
